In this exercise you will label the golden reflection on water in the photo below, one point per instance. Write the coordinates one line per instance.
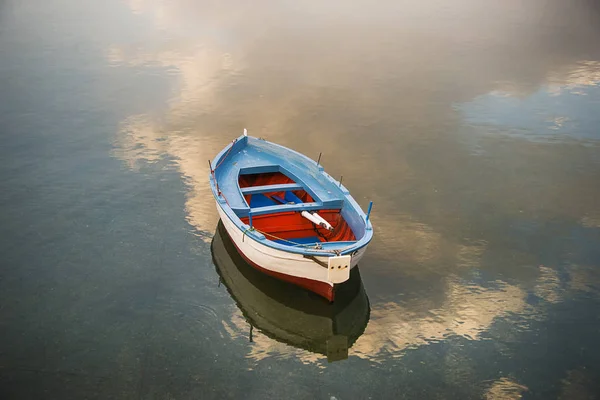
(308, 97)
(574, 77)
(582, 278)
(548, 285)
(591, 221)
(505, 389)
(318, 97)
(467, 311)
(570, 77)
(265, 348)
(577, 385)
(190, 142)
(142, 140)
(417, 247)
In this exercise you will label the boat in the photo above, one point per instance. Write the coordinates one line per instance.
(286, 216)
(288, 313)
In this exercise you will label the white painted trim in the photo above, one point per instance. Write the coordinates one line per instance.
(283, 262)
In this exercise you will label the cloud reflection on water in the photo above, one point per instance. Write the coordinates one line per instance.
(554, 112)
(467, 311)
(505, 389)
(315, 95)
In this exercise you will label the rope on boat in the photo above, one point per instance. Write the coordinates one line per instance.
(212, 170)
(247, 230)
(226, 154)
(295, 244)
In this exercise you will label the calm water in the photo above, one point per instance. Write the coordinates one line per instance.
(474, 126)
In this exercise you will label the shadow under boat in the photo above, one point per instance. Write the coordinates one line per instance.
(288, 313)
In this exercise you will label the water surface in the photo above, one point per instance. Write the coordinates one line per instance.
(473, 126)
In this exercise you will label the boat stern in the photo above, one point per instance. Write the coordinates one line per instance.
(338, 268)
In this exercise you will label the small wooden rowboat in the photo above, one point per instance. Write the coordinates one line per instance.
(287, 313)
(286, 216)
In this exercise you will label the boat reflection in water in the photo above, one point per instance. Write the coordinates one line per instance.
(288, 313)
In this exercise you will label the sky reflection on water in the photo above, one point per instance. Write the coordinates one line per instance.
(561, 110)
(472, 126)
(245, 75)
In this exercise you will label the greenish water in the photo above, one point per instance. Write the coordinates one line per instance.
(472, 125)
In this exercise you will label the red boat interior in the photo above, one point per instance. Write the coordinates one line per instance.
(290, 227)
(266, 199)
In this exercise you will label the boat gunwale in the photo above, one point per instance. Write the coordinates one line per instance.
(260, 238)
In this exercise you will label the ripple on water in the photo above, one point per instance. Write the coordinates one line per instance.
(467, 311)
(560, 111)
